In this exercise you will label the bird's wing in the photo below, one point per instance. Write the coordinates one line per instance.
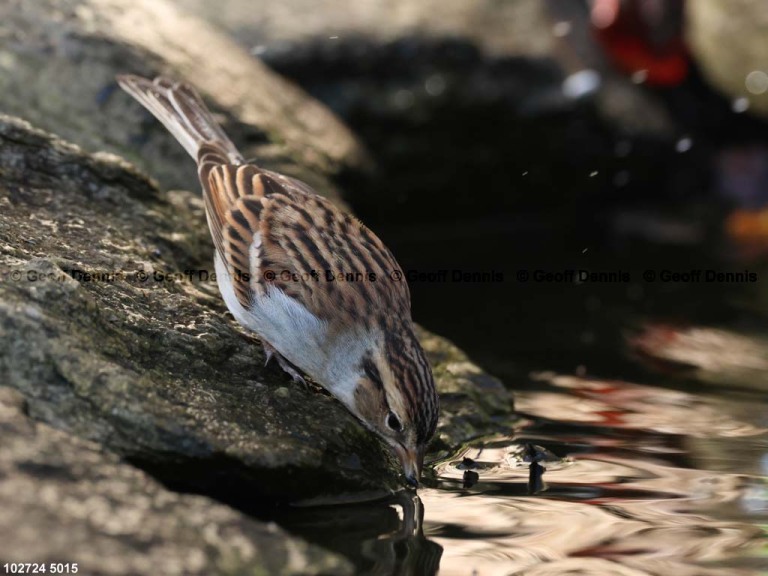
(273, 231)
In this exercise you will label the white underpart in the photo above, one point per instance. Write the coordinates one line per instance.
(227, 290)
(297, 334)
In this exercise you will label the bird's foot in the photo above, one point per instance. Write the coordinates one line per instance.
(290, 369)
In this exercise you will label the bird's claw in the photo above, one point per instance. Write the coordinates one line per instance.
(270, 352)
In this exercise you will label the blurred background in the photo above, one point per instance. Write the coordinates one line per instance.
(577, 191)
(613, 135)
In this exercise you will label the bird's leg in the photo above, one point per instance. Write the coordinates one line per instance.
(270, 352)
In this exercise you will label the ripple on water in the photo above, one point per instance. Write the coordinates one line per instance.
(628, 500)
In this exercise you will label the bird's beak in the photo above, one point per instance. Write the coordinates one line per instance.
(412, 461)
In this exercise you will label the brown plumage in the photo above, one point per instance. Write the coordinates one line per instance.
(320, 289)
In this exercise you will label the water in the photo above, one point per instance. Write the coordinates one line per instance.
(637, 484)
(637, 491)
(648, 398)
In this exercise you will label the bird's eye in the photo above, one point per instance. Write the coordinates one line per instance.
(393, 422)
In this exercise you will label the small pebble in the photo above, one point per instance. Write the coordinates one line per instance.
(33, 312)
(467, 464)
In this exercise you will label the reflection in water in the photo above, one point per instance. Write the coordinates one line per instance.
(625, 500)
(384, 537)
(644, 409)
(645, 518)
(707, 354)
(633, 487)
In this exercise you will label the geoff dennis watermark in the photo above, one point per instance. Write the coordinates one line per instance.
(700, 276)
(563, 276)
(649, 275)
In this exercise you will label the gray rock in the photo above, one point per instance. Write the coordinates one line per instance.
(728, 39)
(66, 500)
(107, 338)
(508, 28)
(59, 59)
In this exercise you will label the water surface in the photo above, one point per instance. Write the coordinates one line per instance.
(649, 399)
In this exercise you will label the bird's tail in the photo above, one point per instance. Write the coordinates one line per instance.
(183, 113)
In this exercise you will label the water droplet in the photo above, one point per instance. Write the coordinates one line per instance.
(435, 85)
(621, 179)
(604, 14)
(581, 83)
(525, 173)
(623, 148)
(593, 173)
(639, 76)
(684, 144)
(757, 82)
(635, 292)
(404, 99)
(333, 37)
(561, 29)
(740, 105)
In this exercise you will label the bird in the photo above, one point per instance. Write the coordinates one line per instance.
(320, 290)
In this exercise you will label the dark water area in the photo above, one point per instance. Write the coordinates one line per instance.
(525, 297)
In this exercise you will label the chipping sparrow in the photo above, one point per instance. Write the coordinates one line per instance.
(321, 290)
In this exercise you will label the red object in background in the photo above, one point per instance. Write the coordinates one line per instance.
(643, 35)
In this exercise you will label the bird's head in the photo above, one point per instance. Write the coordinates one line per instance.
(395, 397)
